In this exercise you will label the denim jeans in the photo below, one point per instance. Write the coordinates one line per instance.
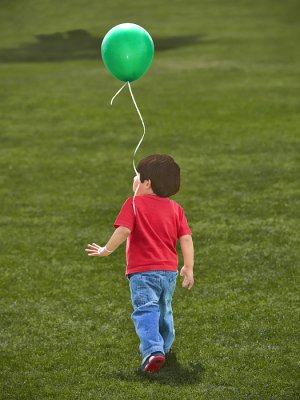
(151, 295)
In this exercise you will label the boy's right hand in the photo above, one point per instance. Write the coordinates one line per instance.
(188, 277)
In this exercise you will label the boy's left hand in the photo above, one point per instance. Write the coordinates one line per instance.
(96, 251)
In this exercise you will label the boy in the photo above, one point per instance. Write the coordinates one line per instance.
(152, 223)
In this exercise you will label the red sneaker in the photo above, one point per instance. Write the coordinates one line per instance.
(153, 362)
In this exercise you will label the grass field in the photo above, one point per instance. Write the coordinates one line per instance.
(222, 97)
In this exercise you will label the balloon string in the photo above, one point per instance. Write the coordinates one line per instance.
(119, 91)
(133, 204)
(144, 129)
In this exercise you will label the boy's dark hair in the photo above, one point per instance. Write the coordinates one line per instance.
(163, 172)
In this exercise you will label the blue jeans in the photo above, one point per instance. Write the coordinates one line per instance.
(151, 295)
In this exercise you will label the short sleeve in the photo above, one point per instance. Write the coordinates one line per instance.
(183, 227)
(126, 215)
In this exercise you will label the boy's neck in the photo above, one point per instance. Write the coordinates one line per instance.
(150, 191)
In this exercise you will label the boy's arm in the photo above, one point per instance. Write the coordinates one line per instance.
(118, 237)
(187, 248)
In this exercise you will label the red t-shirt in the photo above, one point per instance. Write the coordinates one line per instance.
(155, 228)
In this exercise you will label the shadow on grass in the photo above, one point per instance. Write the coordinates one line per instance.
(172, 374)
(78, 45)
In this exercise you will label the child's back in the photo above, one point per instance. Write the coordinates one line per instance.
(155, 227)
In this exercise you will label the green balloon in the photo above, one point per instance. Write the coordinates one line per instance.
(127, 51)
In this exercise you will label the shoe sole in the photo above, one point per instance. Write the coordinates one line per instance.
(155, 364)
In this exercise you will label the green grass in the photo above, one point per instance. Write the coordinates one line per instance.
(227, 109)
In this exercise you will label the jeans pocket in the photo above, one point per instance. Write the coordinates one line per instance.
(144, 289)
